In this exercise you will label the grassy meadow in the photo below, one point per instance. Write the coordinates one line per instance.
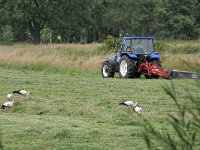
(72, 106)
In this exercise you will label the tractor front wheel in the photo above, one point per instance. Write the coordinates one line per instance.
(106, 70)
(127, 67)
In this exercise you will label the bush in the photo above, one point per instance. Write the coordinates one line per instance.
(46, 35)
(7, 34)
(83, 38)
(110, 44)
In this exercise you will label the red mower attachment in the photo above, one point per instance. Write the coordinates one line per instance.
(151, 69)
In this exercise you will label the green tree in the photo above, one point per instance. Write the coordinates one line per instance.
(177, 18)
(96, 29)
(94, 20)
(35, 15)
(130, 16)
(71, 18)
(143, 17)
(32, 15)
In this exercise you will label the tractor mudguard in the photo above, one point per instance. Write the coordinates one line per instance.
(129, 54)
(113, 64)
(117, 56)
(154, 55)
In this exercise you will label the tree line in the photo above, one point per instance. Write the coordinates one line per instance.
(88, 21)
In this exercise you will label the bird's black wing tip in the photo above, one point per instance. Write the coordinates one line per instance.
(2, 107)
(122, 103)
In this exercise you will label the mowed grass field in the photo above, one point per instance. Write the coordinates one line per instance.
(73, 107)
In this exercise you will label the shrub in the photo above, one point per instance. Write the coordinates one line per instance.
(111, 43)
(7, 34)
(46, 35)
(83, 38)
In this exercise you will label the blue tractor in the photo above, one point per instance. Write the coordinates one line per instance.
(136, 57)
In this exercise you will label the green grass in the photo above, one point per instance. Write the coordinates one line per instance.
(46, 67)
(81, 111)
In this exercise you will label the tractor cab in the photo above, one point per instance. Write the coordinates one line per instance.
(138, 48)
(137, 45)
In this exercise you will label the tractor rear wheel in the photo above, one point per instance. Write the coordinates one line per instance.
(127, 67)
(106, 70)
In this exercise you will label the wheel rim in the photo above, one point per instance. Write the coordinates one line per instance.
(105, 71)
(123, 68)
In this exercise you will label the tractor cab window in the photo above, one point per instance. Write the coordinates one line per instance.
(142, 46)
(126, 45)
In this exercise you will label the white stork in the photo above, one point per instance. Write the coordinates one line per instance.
(7, 105)
(22, 92)
(138, 110)
(10, 97)
(134, 105)
(127, 103)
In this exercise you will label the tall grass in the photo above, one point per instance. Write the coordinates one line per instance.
(63, 56)
(89, 58)
(177, 46)
(175, 53)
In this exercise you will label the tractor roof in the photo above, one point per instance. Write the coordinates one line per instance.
(138, 37)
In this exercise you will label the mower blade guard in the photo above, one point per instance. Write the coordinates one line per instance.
(183, 74)
(154, 69)
(157, 70)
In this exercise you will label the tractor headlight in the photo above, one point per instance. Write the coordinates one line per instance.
(128, 49)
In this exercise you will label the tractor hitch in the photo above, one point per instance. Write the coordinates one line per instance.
(151, 69)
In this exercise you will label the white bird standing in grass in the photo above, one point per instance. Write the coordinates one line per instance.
(127, 103)
(134, 105)
(7, 105)
(22, 92)
(10, 97)
(138, 109)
